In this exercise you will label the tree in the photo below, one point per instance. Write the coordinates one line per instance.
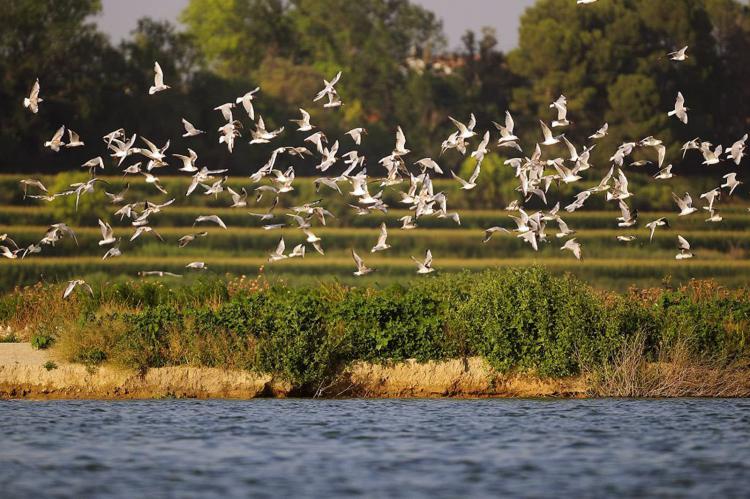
(610, 60)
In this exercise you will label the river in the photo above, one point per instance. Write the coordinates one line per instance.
(376, 448)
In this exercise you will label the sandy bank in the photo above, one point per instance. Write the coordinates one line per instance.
(23, 375)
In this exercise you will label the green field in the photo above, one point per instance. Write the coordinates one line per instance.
(721, 249)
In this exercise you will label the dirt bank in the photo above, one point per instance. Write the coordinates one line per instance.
(23, 374)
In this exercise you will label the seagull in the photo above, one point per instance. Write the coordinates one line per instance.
(381, 244)
(356, 134)
(159, 85)
(679, 109)
(108, 235)
(362, 269)
(711, 157)
(659, 222)
(506, 132)
(711, 197)
(684, 246)
(158, 273)
(298, 251)
(261, 135)
(238, 200)
(278, 253)
(28, 182)
(731, 182)
(679, 55)
(574, 246)
(665, 173)
(210, 218)
(601, 133)
(464, 131)
(56, 141)
(93, 164)
(188, 162)
(549, 140)
(584, 2)
(626, 239)
(77, 282)
(737, 151)
(424, 267)
(7, 253)
(561, 104)
(190, 130)
(247, 103)
(145, 229)
(488, 233)
(329, 89)
(185, 240)
(467, 186)
(196, 266)
(401, 149)
(226, 111)
(74, 140)
(303, 124)
(32, 101)
(429, 163)
(685, 204)
(112, 252)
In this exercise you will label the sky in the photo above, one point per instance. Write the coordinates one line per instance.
(119, 16)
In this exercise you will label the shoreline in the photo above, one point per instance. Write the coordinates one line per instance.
(23, 375)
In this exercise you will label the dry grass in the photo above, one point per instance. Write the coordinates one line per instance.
(677, 373)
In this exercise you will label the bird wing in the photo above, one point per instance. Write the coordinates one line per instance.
(683, 243)
(158, 75)
(69, 289)
(357, 260)
(428, 259)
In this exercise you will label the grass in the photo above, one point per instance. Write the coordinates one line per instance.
(687, 340)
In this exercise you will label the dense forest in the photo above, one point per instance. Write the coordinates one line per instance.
(608, 59)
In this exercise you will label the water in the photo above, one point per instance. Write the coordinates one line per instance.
(375, 448)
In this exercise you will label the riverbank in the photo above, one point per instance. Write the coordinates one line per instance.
(25, 373)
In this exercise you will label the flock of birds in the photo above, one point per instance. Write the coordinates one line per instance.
(535, 176)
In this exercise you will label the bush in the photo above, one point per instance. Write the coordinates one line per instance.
(41, 341)
(518, 319)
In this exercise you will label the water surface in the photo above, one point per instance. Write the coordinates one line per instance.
(376, 448)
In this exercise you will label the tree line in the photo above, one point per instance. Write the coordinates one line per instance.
(608, 58)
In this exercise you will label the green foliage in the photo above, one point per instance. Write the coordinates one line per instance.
(9, 338)
(50, 365)
(42, 341)
(522, 319)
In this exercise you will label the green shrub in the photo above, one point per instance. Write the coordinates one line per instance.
(41, 341)
(49, 365)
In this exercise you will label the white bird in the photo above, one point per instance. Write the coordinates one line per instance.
(561, 105)
(298, 251)
(684, 246)
(190, 130)
(574, 246)
(356, 134)
(584, 2)
(112, 252)
(247, 103)
(159, 85)
(685, 204)
(210, 218)
(303, 124)
(659, 222)
(679, 55)
(189, 238)
(7, 253)
(93, 164)
(188, 162)
(400, 149)
(145, 229)
(626, 239)
(429, 163)
(731, 182)
(278, 253)
(226, 111)
(77, 282)
(737, 151)
(711, 157)
(28, 182)
(56, 141)
(679, 109)
(711, 197)
(108, 235)
(362, 269)
(196, 266)
(471, 183)
(381, 244)
(424, 267)
(488, 233)
(74, 140)
(601, 133)
(665, 173)
(32, 101)
(464, 131)
(506, 132)
(329, 88)
(157, 273)
(549, 140)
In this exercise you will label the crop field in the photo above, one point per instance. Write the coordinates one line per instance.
(721, 249)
